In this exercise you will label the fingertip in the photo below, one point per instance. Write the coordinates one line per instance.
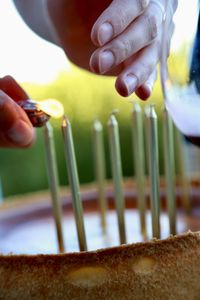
(93, 64)
(144, 92)
(94, 35)
(102, 32)
(15, 127)
(102, 61)
(21, 134)
(105, 33)
(126, 85)
(10, 111)
(121, 88)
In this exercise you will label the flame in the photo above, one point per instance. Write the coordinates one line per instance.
(52, 108)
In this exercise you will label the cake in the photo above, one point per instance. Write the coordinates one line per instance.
(155, 269)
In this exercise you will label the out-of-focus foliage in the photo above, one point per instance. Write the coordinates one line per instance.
(85, 97)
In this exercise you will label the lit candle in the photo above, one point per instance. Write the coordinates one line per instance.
(99, 162)
(53, 182)
(138, 146)
(117, 174)
(168, 145)
(153, 169)
(74, 182)
(179, 155)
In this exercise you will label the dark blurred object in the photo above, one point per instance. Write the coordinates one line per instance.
(195, 75)
(194, 140)
(37, 117)
(195, 63)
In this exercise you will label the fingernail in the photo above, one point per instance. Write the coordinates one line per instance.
(21, 134)
(105, 33)
(131, 82)
(106, 61)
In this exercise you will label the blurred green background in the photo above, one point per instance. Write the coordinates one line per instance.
(85, 97)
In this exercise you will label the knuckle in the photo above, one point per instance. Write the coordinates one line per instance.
(8, 78)
(142, 4)
(152, 26)
(122, 49)
(122, 21)
(145, 71)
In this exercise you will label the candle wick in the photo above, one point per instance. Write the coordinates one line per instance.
(114, 112)
(65, 121)
(152, 112)
(97, 125)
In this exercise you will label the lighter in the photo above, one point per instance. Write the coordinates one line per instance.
(40, 112)
(37, 117)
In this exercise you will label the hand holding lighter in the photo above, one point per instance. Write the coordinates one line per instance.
(37, 116)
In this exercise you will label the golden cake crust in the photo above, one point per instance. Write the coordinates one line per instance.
(158, 269)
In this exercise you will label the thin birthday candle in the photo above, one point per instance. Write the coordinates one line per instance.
(117, 174)
(138, 147)
(74, 182)
(152, 135)
(53, 182)
(99, 162)
(168, 145)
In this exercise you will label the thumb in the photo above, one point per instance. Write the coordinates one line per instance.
(15, 127)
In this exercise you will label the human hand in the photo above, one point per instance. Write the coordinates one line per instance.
(15, 128)
(128, 35)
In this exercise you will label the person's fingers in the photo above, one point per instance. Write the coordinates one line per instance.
(145, 90)
(139, 34)
(115, 19)
(15, 127)
(9, 85)
(137, 73)
(140, 74)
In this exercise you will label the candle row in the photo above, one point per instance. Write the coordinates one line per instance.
(151, 139)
